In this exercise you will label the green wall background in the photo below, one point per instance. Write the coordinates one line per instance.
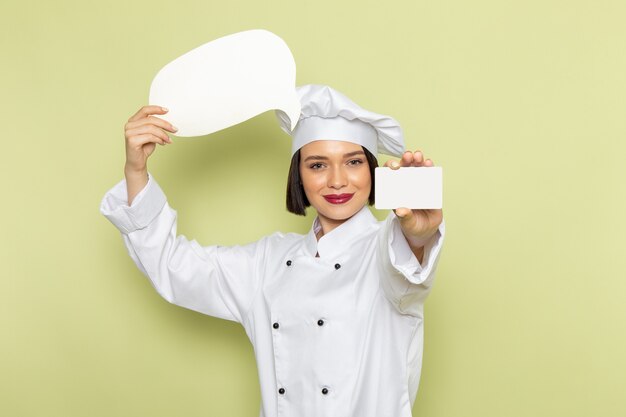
(522, 103)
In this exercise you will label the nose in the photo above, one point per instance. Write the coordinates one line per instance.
(337, 179)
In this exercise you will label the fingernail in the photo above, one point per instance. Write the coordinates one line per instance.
(174, 127)
(165, 109)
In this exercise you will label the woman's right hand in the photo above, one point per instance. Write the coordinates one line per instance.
(142, 133)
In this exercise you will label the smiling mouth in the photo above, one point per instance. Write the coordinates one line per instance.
(338, 198)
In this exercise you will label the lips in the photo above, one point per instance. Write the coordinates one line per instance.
(338, 198)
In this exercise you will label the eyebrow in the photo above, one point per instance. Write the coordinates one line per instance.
(325, 158)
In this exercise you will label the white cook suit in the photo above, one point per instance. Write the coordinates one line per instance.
(339, 335)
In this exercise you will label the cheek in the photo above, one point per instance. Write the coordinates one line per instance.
(310, 182)
(362, 179)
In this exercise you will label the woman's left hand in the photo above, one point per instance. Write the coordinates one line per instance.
(418, 226)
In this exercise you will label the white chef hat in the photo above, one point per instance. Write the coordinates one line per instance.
(327, 114)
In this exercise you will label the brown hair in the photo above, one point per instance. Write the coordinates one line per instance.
(296, 198)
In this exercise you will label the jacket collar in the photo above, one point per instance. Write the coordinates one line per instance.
(338, 240)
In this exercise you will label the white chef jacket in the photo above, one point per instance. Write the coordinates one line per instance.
(339, 335)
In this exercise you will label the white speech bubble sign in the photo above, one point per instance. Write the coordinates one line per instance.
(227, 81)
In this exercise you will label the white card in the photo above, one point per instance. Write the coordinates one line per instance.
(409, 187)
(227, 81)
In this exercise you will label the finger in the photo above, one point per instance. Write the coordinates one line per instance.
(418, 158)
(406, 217)
(157, 121)
(147, 110)
(392, 163)
(407, 159)
(429, 163)
(140, 140)
(162, 123)
(403, 212)
(149, 129)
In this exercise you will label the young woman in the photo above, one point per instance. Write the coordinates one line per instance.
(335, 316)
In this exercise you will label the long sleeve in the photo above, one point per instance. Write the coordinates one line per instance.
(404, 280)
(214, 280)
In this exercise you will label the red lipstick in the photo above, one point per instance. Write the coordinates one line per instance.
(338, 198)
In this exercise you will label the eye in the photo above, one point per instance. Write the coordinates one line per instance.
(355, 162)
(316, 165)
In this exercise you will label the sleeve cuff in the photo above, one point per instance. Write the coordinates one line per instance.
(145, 207)
(404, 260)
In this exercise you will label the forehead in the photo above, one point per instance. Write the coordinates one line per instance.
(329, 148)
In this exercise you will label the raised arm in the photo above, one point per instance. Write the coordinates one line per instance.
(418, 226)
(214, 280)
(409, 248)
